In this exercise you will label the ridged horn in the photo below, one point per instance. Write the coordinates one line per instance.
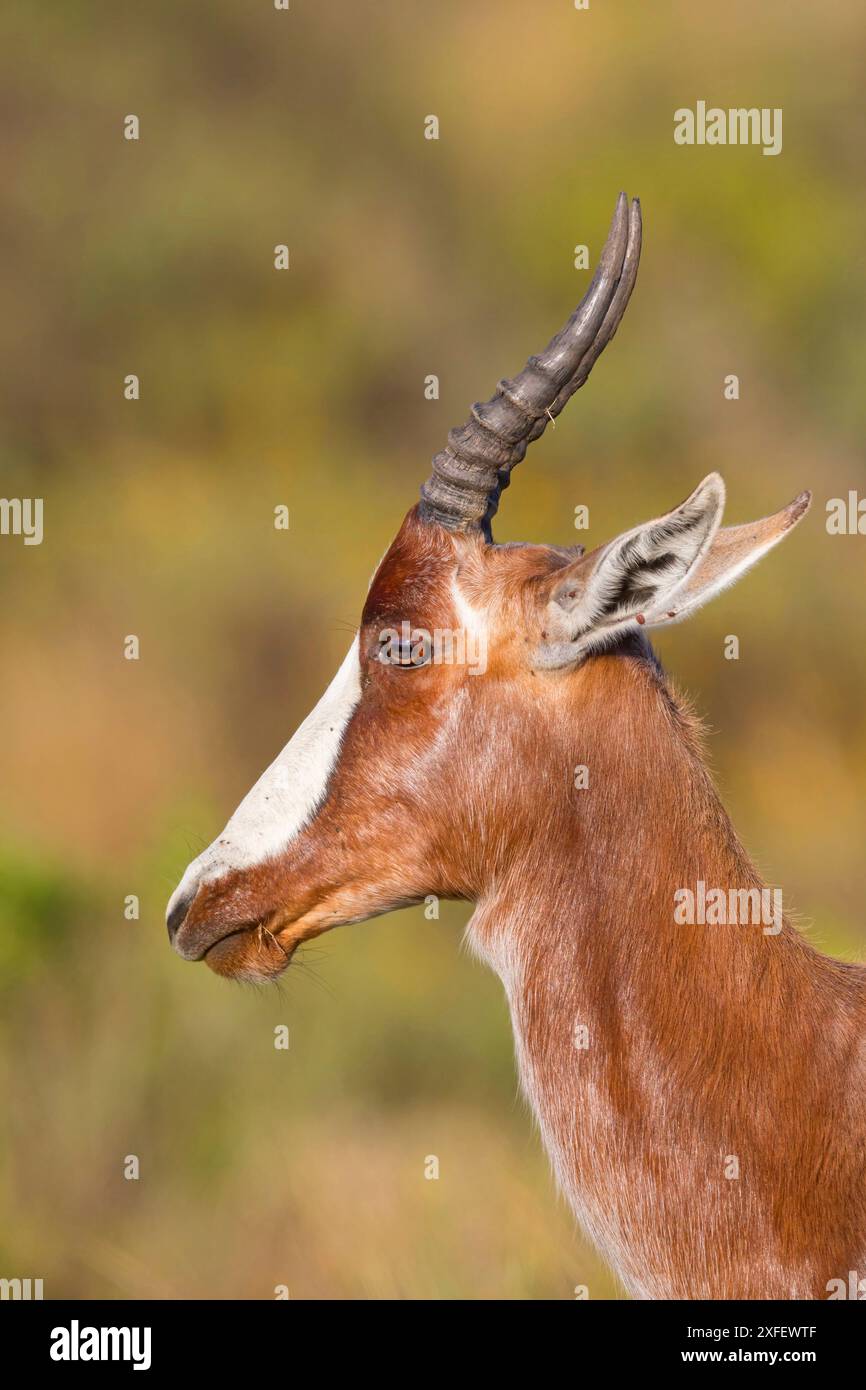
(462, 493)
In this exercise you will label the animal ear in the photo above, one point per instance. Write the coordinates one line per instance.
(734, 550)
(595, 598)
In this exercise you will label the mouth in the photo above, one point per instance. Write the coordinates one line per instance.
(251, 952)
(258, 950)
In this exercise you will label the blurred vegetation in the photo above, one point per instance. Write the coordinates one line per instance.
(408, 257)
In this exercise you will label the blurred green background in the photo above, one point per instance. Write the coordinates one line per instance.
(408, 257)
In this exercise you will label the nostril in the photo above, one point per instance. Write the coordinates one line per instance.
(176, 913)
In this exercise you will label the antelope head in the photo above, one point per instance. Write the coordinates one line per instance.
(438, 748)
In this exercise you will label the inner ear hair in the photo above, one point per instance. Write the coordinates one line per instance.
(651, 562)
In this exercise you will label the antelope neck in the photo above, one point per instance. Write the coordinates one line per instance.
(659, 1057)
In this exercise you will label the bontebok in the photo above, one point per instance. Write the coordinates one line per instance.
(697, 1069)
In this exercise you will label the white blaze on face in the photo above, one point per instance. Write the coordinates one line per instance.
(287, 793)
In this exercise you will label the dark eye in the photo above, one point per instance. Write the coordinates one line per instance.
(407, 649)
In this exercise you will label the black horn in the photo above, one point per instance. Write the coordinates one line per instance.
(462, 492)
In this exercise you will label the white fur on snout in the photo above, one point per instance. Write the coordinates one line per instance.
(287, 793)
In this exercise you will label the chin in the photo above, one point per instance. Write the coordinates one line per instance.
(253, 954)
